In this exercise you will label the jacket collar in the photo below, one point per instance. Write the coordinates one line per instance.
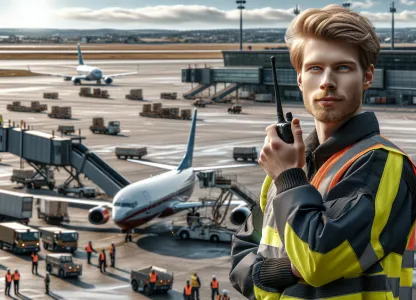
(355, 129)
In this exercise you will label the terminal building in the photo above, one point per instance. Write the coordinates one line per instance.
(249, 72)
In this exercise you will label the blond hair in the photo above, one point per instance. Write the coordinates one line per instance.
(336, 23)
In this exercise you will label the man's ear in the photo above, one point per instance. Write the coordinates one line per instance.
(299, 79)
(368, 77)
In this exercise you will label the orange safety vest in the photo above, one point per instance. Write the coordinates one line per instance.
(35, 258)
(101, 256)
(111, 250)
(153, 277)
(16, 276)
(214, 284)
(188, 290)
(89, 249)
(9, 277)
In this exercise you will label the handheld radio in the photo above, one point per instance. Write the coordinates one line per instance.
(284, 131)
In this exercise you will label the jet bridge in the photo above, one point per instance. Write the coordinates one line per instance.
(44, 151)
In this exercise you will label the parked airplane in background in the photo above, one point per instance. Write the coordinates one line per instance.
(158, 196)
(87, 73)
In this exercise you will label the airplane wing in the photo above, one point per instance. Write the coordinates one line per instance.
(199, 169)
(197, 204)
(64, 199)
(121, 74)
(80, 77)
(152, 164)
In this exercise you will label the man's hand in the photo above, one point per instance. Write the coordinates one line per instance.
(277, 156)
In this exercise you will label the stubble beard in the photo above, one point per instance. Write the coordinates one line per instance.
(331, 114)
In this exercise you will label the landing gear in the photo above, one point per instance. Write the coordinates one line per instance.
(129, 237)
(99, 82)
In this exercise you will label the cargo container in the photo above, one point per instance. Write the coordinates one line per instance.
(52, 211)
(31, 180)
(66, 129)
(50, 95)
(136, 94)
(19, 238)
(130, 152)
(59, 239)
(15, 207)
(97, 93)
(245, 153)
(98, 126)
(170, 96)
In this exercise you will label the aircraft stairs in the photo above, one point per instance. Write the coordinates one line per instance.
(226, 91)
(196, 90)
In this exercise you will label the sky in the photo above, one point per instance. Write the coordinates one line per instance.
(182, 15)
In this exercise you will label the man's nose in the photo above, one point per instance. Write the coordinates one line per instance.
(328, 81)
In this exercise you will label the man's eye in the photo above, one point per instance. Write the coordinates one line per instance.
(344, 67)
(314, 68)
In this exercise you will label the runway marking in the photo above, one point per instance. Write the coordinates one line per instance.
(28, 89)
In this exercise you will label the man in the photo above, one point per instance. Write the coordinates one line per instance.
(196, 284)
(8, 282)
(152, 281)
(223, 296)
(102, 261)
(89, 250)
(47, 281)
(214, 287)
(16, 280)
(35, 259)
(187, 291)
(113, 254)
(344, 224)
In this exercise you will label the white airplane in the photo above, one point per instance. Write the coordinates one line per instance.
(87, 73)
(158, 196)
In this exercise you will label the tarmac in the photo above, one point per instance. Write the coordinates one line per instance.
(216, 135)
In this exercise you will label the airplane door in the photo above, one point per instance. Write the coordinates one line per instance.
(148, 202)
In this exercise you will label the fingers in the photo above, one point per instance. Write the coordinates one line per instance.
(297, 135)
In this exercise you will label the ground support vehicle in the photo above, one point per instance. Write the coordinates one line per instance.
(59, 239)
(15, 207)
(60, 112)
(52, 211)
(130, 152)
(19, 238)
(200, 103)
(205, 232)
(140, 280)
(35, 106)
(96, 93)
(81, 192)
(62, 265)
(169, 96)
(235, 109)
(245, 153)
(50, 95)
(66, 129)
(136, 94)
(157, 111)
(98, 126)
(31, 180)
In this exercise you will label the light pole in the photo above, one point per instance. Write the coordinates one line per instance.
(392, 10)
(241, 7)
(296, 10)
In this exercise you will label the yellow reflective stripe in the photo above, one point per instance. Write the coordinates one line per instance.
(260, 294)
(264, 191)
(392, 265)
(386, 194)
(270, 236)
(406, 277)
(317, 268)
(358, 296)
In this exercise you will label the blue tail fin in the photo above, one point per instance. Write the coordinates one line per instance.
(80, 60)
(187, 159)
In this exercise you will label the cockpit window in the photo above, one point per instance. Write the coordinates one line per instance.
(126, 204)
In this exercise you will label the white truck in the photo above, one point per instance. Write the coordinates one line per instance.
(81, 191)
(130, 152)
(52, 211)
(205, 232)
(14, 207)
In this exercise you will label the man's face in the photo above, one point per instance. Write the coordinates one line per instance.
(332, 69)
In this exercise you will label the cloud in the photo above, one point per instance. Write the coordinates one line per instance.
(366, 4)
(185, 15)
(177, 14)
(408, 2)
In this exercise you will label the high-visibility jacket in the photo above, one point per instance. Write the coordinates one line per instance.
(153, 277)
(188, 290)
(362, 266)
(214, 284)
(35, 258)
(9, 278)
(89, 248)
(194, 281)
(102, 256)
(16, 276)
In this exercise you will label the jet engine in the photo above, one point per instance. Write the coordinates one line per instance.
(98, 215)
(76, 81)
(239, 214)
(108, 80)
